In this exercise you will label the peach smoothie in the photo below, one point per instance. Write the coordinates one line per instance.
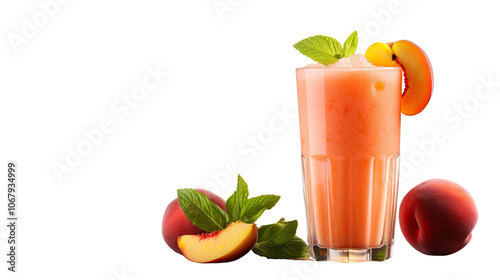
(349, 115)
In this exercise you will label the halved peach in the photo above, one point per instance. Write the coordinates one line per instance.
(225, 245)
(417, 68)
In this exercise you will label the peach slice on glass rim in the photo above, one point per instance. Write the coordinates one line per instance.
(417, 68)
(225, 245)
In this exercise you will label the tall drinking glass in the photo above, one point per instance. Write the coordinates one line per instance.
(350, 120)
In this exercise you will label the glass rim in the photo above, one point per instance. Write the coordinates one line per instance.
(305, 68)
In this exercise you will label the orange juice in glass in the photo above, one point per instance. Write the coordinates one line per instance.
(350, 116)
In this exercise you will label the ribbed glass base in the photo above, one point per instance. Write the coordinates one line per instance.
(351, 255)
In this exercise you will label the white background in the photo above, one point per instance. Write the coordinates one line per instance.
(229, 72)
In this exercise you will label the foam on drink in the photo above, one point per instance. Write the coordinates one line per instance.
(355, 60)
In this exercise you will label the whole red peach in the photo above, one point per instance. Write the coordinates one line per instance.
(437, 217)
(175, 223)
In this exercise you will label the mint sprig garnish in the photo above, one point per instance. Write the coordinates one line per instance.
(202, 212)
(350, 45)
(327, 50)
(278, 241)
(275, 241)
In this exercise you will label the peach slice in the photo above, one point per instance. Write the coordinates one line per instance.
(225, 245)
(417, 68)
(380, 54)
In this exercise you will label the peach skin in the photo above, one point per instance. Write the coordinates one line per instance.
(175, 223)
(437, 217)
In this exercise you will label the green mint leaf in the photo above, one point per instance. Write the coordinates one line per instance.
(202, 212)
(278, 241)
(350, 45)
(320, 48)
(235, 203)
(295, 248)
(278, 233)
(255, 206)
(379, 254)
